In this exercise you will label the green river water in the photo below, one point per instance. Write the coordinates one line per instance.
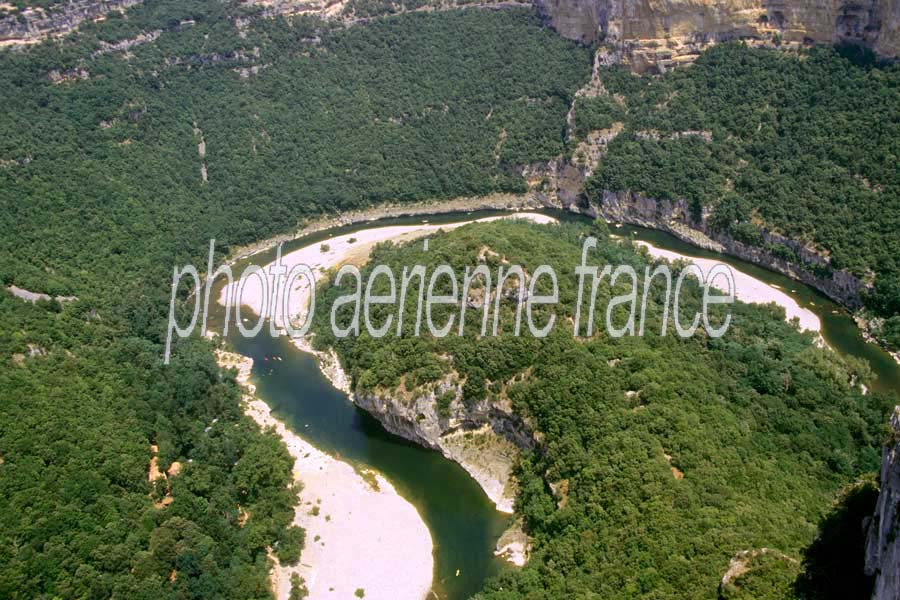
(463, 522)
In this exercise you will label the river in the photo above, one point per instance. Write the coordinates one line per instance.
(463, 522)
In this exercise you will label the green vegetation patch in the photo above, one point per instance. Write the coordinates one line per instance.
(677, 454)
(102, 191)
(103, 175)
(82, 402)
(806, 145)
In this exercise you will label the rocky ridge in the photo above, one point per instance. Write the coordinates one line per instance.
(485, 439)
(653, 35)
(883, 543)
(34, 25)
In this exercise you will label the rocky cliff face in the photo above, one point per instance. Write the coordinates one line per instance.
(883, 545)
(650, 33)
(645, 33)
(560, 184)
(676, 218)
(485, 439)
(36, 24)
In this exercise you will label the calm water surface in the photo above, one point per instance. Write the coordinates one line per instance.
(464, 524)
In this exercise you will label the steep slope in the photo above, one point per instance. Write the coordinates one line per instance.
(33, 24)
(661, 34)
(648, 452)
(883, 550)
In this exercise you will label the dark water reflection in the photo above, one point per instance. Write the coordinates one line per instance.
(463, 522)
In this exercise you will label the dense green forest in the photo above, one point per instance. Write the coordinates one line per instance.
(101, 193)
(669, 456)
(126, 147)
(406, 108)
(804, 145)
(82, 400)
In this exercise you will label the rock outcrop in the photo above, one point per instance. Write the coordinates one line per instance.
(34, 297)
(676, 218)
(651, 34)
(350, 12)
(744, 562)
(514, 545)
(560, 184)
(883, 544)
(37, 24)
(485, 438)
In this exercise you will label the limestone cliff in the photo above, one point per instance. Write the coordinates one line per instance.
(651, 33)
(645, 33)
(560, 183)
(883, 545)
(36, 24)
(350, 12)
(485, 438)
(676, 218)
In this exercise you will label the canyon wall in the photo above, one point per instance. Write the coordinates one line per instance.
(560, 184)
(676, 218)
(484, 438)
(883, 544)
(36, 24)
(645, 33)
(651, 33)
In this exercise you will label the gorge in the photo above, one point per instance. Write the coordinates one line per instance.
(661, 36)
(644, 34)
(142, 130)
(416, 417)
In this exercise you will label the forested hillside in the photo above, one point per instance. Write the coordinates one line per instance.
(83, 399)
(325, 120)
(123, 149)
(660, 458)
(126, 146)
(806, 145)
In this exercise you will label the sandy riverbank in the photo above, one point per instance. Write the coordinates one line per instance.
(747, 289)
(464, 204)
(350, 248)
(360, 533)
(355, 248)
